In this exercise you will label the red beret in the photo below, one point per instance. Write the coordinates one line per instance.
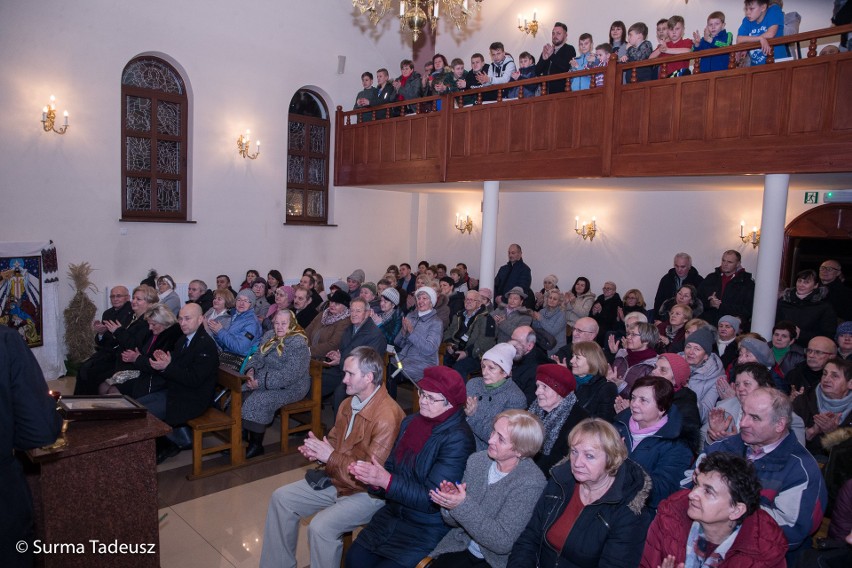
(556, 377)
(446, 381)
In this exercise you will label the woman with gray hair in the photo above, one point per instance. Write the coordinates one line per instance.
(636, 358)
(163, 334)
(493, 503)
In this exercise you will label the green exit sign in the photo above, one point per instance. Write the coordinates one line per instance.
(811, 197)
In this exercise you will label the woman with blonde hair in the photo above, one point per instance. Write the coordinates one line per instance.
(592, 511)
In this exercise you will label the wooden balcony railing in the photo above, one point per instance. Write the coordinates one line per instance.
(789, 117)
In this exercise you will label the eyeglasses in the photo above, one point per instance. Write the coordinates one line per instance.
(111, 296)
(810, 351)
(244, 299)
(828, 268)
(633, 335)
(429, 398)
(577, 329)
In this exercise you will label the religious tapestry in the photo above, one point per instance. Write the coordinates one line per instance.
(21, 297)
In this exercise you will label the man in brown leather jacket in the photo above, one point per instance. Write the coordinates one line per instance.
(365, 429)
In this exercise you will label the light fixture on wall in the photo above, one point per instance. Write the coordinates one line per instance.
(528, 27)
(48, 118)
(413, 14)
(753, 237)
(586, 230)
(243, 144)
(464, 223)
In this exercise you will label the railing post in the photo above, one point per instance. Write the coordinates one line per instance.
(696, 66)
(812, 52)
(732, 63)
(633, 75)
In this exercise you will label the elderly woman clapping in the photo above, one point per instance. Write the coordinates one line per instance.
(494, 501)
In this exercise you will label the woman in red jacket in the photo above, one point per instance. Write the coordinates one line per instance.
(718, 523)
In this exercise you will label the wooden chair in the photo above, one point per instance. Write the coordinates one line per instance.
(227, 426)
(424, 563)
(311, 405)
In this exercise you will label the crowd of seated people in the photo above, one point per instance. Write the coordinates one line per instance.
(763, 20)
(630, 415)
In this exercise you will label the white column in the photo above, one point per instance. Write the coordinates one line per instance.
(775, 188)
(488, 250)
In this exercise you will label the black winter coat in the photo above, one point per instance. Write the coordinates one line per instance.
(668, 286)
(736, 301)
(609, 532)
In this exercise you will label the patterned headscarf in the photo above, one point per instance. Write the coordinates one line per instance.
(278, 342)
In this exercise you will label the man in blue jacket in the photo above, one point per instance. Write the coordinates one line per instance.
(794, 492)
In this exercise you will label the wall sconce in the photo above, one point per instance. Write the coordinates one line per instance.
(528, 27)
(753, 237)
(464, 223)
(48, 118)
(243, 143)
(586, 230)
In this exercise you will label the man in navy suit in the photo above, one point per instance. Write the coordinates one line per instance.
(190, 373)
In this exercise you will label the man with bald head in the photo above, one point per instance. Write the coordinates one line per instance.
(806, 375)
(529, 356)
(101, 364)
(839, 294)
(189, 372)
(585, 329)
(514, 273)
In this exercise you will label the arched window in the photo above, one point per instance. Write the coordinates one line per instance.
(307, 159)
(154, 112)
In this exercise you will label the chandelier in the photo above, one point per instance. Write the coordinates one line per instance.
(413, 14)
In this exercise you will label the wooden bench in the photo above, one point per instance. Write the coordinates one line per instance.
(226, 426)
(311, 405)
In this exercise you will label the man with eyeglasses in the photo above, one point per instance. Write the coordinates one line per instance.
(472, 332)
(839, 295)
(806, 375)
(585, 329)
(365, 429)
(101, 364)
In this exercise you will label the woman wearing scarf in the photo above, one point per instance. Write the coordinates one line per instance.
(653, 433)
(325, 331)
(166, 291)
(243, 333)
(828, 406)
(492, 393)
(718, 523)
(594, 393)
(636, 358)
(390, 319)
(277, 375)
(556, 406)
(705, 369)
(432, 446)
(283, 300)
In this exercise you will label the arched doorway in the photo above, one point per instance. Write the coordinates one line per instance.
(815, 235)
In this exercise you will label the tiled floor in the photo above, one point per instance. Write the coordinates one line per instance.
(218, 521)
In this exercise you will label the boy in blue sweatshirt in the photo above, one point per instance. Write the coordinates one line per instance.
(714, 36)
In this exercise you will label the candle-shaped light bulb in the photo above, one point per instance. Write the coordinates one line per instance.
(258, 146)
(519, 20)
(534, 13)
(742, 228)
(576, 222)
(65, 114)
(52, 102)
(44, 114)
(401, 8)
(594, 222)
(436, 9)
(754, 230)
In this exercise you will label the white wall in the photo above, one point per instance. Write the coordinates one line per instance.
(639, 232)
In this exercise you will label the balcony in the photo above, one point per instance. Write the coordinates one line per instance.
(792, 116)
